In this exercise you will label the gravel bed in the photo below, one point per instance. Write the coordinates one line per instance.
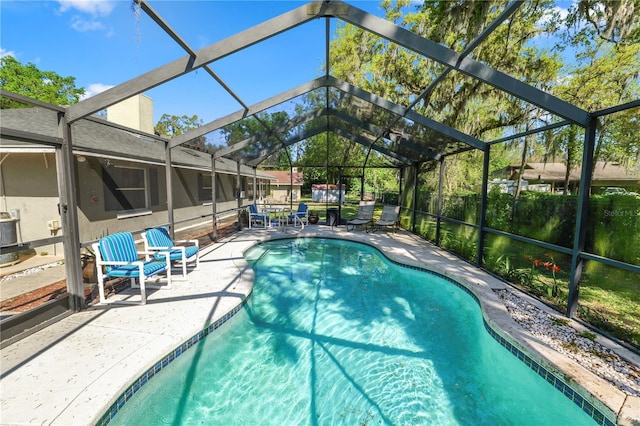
(30, 271)
(566, 340)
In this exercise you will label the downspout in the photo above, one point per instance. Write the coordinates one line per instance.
(339, 195)
(68, 209)
(483, 205)
(577, 263)
(400, 176)
(415, 198)
(214, 204)
(440, 191)
(255, 182)
(290, 185)
(238, 189)
(168, 174)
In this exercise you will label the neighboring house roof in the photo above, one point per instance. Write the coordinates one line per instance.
(283, 177)
(97, 137)
(321, 186)
(556, 172)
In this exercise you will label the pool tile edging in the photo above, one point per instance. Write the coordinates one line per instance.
(144, 378)
(581, 401)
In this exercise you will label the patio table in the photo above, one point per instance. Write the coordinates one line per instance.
(280, 214)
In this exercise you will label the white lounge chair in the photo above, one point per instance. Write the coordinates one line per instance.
(389, 217)
(365, 215)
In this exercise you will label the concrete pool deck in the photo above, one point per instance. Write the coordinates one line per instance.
(71, 372)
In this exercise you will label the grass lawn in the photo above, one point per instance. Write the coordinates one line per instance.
(611, 298)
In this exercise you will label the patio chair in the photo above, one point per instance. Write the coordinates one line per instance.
(300, 216)
(256, 217)
(365, 215)
(158, 240)
(117, 253)
(389, 217)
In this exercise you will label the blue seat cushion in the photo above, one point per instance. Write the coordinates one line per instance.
(177, 254)
(159, 237)
(118, 247)
(131, 271)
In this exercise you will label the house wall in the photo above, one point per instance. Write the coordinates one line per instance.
(28, 183)
(191, 198)
(282, 193)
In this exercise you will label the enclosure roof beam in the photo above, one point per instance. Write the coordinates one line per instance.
(367, 143)
(470, 67)
(311, 116)
(311, 133)
(340, 85)
(253, 109)
(29, 101)
(411, 115)
(617, 108)
(265, 153)
(188, 63)
(282, 129)
(509, 10)
(378, 131)
(167, 29)
(530, 132)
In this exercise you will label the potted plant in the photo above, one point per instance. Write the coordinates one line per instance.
(89, 271)
(313, 217)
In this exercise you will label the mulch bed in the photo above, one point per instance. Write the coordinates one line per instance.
(34, 298)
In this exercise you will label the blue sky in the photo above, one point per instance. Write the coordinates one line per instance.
(104, 43)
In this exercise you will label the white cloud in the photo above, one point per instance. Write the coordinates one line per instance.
(82, 25)
(557, 14)
(561, 11)
(4, 52)
(88, 14)
(94, 89)
(93, 7)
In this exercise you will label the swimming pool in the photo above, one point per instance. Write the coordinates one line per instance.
(334, 333)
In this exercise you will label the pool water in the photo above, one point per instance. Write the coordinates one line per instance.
(333, 334)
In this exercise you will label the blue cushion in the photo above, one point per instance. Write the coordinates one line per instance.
(118, 247)
(302, 211)
(132, 271)
(159, 237)
(177, 254)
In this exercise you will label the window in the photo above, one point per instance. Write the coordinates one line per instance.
(204, 187)
(127, 188)
(225, 187)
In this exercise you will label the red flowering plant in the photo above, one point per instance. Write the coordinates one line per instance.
(550, 265)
